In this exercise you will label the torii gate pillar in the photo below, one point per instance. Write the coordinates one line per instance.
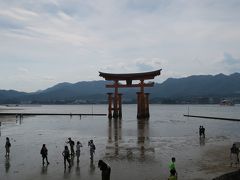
(117, 108)
(142, 105)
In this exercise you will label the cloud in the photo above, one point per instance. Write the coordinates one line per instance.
(80, 38)
(230, 60)
(144, 64)
(5, 23)
(23, 70)
(137, 65)
(48, 78)
(230, 63)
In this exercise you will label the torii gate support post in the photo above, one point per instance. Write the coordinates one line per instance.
(147, 114)
(109, 105)
(117, 111)
(115, 103)
(142, 102)
(142, 105)
(120, 105)
(139, 109)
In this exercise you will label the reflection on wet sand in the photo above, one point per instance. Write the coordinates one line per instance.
(19, 120)
(92, 167)
(202, 141)
(67, 173)
(78, 169)
(72, 159)
(44, 169)
(114, 130)
(143, 137)
(9, 120)
(116, 148)
(7, 164)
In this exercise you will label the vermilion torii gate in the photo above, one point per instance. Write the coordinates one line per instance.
(142, 98)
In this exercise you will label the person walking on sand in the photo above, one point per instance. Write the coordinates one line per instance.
(234, 155)
(172, 165)
(92, 148)
(78, 151)
(66, 155)
(202, 131)
(44, 153)
(105, 168)
(71, 143)
(7, 147)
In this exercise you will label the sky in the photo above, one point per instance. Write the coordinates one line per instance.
(45, 42)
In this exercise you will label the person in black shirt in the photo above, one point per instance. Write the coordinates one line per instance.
(7, 147)
(66, 155)
(44, 153)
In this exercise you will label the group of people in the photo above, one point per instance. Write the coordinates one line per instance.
(69, 154)
(104, 167)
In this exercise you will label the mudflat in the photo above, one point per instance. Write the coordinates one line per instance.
(135, 149)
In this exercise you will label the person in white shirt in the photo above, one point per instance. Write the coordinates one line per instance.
(78, 151)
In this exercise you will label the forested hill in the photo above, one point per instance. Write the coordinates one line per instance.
(192, 89)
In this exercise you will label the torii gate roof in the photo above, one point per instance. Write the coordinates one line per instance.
(131, 76)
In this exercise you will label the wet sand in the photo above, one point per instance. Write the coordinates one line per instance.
(131, 149)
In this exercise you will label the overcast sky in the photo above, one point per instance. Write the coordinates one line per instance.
(44, 42)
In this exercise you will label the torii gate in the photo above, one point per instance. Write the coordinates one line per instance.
(142, 98)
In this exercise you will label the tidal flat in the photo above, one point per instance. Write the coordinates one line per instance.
(135, 149)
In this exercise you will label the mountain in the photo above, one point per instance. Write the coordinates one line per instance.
(192, 89)
(10, 96)
(202, 85)
(86, 91)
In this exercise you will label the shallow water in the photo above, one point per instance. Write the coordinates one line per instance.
(139, 149)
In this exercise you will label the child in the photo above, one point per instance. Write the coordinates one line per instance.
(172, 167)
(172, 164)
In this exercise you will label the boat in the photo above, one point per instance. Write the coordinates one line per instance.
(226, 102)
